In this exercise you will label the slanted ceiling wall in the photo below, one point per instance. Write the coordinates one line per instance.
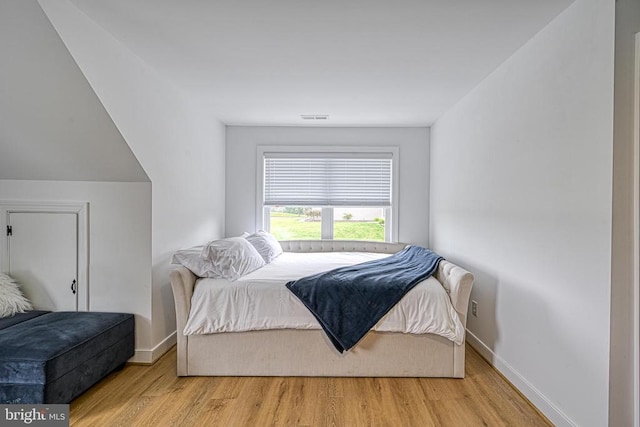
(83, 108)
(58, 143)
(179, 143)
(52, 125)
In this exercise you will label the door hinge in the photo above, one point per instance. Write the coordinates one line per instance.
(9, 230)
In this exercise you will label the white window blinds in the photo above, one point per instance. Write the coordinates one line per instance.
(327, 179)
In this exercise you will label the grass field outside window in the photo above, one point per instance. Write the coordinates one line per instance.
(287, 226)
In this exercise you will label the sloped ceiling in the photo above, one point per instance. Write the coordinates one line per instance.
(362, 62)
(52, 125)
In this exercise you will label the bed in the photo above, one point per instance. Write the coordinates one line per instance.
(308, 351)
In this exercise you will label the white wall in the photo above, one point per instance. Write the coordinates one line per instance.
(178, 143)
(52, 125)
(119, 217)
(622, 256)
(521, 176)
(413, 143)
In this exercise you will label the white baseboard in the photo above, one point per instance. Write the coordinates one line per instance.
(149, 356)
(544, 405)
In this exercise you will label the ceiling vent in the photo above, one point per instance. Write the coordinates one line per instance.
(314, 116)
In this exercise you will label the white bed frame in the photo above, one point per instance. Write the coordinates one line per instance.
(290, 352)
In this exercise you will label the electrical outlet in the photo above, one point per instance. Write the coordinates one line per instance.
(474, 308)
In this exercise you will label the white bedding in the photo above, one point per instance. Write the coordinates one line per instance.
(260, 300)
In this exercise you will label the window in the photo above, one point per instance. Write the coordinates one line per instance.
(327, 194)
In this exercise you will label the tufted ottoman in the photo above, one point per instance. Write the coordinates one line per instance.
(55, 357)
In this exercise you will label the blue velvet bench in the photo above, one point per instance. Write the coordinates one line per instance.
(53, 357)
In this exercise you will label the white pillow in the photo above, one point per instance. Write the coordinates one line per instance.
(11, 299)
(233, 257)
(266, 245)
(191, 259)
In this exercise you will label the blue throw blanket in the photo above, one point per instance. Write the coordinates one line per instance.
(349, 301)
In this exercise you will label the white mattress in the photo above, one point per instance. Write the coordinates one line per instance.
(260, 300)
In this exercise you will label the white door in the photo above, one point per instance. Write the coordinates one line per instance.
(43, 258)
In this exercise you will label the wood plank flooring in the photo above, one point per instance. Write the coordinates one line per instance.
(155, 396)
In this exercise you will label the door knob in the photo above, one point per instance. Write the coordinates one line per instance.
(74, 286)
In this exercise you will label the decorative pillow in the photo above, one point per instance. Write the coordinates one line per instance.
(266, 245)
(233, 257)
(11, 299)
(191, 259)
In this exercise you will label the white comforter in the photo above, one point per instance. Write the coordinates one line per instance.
(260, 300)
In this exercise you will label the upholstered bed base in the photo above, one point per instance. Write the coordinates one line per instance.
(308, 352)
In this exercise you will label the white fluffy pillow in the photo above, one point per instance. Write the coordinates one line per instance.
(11, 299)
(266, 245)
(233, 257)
(191, 259)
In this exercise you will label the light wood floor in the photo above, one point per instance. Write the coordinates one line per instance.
(154, 396)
